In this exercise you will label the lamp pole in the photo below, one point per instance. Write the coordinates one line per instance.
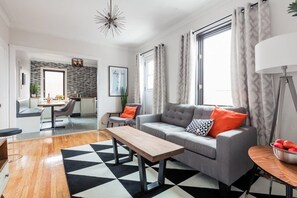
(284, 80)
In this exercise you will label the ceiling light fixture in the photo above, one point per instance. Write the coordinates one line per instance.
(110, 20)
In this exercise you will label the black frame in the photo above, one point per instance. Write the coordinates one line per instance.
(199, 72)
(52, 70)
(109, 68)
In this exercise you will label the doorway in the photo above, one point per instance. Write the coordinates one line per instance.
(148, 66)
(60, 81)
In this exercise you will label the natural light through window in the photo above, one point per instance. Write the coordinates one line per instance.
(53, 83)
(216, 69)
(150, 74)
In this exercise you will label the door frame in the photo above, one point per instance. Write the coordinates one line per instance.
(5, 102)
(12, 80)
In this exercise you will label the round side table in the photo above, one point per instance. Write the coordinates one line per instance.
(263, 158)
(12, 132)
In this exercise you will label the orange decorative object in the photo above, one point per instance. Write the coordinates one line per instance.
(225, 120)
(129, 112)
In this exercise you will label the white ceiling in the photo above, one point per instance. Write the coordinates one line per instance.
(74, 19)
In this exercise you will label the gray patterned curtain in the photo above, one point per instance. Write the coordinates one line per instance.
(137, 86)
(186, 91)
(249, 89)
(160, 82)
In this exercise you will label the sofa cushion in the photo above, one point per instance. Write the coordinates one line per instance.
(204, 112)
(30, 112)
(178, 114)
(225, 120)
(161, 129)
(200, 127)
(205, 146)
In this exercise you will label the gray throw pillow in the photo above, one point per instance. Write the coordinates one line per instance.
(200, 127)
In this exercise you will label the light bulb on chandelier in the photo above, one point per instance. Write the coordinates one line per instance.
(110, 20)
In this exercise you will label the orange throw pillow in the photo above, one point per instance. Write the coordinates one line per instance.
(129, 112)
(225, 120)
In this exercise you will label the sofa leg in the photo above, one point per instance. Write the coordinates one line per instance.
(224, 190)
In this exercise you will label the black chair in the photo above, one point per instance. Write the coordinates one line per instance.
(126, 121)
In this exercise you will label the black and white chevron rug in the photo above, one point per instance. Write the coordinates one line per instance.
(90, 172)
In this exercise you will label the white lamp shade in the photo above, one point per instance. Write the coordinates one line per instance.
(276, 52)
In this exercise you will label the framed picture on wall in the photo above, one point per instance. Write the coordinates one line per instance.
(118, 81)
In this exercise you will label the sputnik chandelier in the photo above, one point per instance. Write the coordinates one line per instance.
(110, 20)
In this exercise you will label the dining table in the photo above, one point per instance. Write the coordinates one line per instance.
(52, 104)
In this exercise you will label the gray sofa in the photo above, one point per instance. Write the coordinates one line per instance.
(224, 158)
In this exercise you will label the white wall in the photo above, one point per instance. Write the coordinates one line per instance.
(23, 66)
(4, 70)
(4, 29)
(281, 23)
(105, 54)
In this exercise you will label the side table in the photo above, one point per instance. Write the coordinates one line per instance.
(263, 158)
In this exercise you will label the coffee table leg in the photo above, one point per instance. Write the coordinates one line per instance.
(115, 150)
(162, 169)
(142, 173)
(116, 153)
(289, 191)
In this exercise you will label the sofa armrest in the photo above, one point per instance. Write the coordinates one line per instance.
(141, 119)
(232, 153)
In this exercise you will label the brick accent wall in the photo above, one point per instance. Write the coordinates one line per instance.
(82, 80)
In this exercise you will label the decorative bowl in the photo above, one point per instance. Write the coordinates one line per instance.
(284, 155)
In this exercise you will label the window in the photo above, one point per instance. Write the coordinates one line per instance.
(54, 83)
(149, 69)
(214, 64)
(149, 72)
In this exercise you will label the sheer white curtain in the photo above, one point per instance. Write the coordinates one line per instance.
(249, 89)
(186, 85)
(160, 81)
(138, 81)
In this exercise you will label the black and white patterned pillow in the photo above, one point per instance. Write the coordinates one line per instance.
(200, 127)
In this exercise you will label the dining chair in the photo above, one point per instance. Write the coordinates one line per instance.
(66, 111)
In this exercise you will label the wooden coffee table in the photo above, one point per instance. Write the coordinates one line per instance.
(264, 158)
(147, 147)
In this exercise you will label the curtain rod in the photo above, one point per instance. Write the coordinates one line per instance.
(149, 50)
(252, 5)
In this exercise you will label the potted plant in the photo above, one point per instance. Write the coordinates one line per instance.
(34, 89)
(124, 97)
(293, 8)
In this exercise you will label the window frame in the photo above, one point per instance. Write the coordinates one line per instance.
(54, 70)
(200, 71)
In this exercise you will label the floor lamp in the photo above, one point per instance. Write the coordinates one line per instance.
(278, 55)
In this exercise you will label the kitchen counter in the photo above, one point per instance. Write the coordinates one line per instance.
(84, 106)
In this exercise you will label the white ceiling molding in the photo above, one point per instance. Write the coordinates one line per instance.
(4, 16)
(74, 19)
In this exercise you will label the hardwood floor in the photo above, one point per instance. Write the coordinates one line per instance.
(40, 172)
